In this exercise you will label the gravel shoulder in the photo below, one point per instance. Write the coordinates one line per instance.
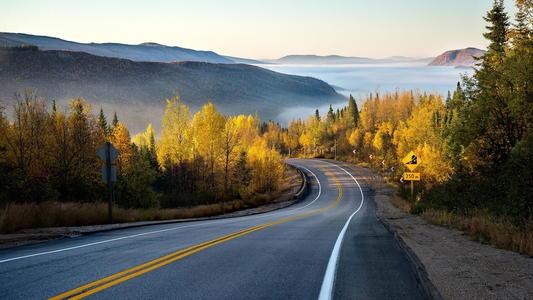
(456, 266)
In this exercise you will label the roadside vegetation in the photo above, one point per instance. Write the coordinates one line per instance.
(51, 175)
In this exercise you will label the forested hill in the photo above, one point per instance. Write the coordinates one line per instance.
(142, 52)
(235, 88)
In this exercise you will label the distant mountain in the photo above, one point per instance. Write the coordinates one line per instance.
(137, 90)
(248, 61)
(408, 59)
(143, 52)
(459, 57)
(320, 60)
(343, 60)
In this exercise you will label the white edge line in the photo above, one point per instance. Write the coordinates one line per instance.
(92, 244)
(326, 290)
(319, 189)
(144, 233)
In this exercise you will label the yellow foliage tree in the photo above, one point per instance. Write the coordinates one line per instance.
(208, 125)
(120, 138)
(247, 128)
(144, 139)
(175, 142)
(266, 165)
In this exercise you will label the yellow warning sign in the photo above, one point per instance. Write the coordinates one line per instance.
(411, 161)
(410, 176)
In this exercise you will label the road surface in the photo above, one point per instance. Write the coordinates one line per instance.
(329, 245)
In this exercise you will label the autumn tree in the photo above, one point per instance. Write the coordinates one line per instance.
(230, 141)
(120, 138)
(207, 126)
(175, 141)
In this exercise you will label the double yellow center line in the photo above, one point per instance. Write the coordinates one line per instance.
(107, 282)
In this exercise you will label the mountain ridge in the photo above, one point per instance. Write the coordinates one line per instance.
(126, 84)
(147, 51)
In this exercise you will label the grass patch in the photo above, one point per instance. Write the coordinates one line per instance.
(16, 217)
(480, 226)
(401, 203)
(485, 228)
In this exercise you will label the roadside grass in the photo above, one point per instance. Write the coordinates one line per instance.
(18, 216)
(480, 226)
(485, 228)
(401, 203)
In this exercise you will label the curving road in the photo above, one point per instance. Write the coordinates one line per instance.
(330, 245)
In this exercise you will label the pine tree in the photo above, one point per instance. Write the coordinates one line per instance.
(458, 94)
(497, 29)
(102, 123)
(317, 115)
(242, 174)
(353, 111)
(331, 115)
(115, 121)
(54, 108)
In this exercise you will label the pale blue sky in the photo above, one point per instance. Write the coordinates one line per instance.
(264, 28)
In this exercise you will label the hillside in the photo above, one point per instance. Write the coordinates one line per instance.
(458, 57)
(138, 89)
(143, 52)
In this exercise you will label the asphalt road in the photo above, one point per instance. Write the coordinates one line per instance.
(330, 245)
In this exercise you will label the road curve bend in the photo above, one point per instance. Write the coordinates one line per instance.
(330, 245)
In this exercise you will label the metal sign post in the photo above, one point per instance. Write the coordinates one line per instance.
(108, 154)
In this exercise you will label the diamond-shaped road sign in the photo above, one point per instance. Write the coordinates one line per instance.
(411, 161)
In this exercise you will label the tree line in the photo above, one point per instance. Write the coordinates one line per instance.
(476, 144)
(48, 154)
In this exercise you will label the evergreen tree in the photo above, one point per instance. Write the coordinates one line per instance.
(331, 115)
(102, 123)
(115, 121)
(54, 108)
(242, 175)
(497, 29)
(353, 111)
(458, 94)
(317, 115)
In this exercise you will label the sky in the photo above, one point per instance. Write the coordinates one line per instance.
(262, 28)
